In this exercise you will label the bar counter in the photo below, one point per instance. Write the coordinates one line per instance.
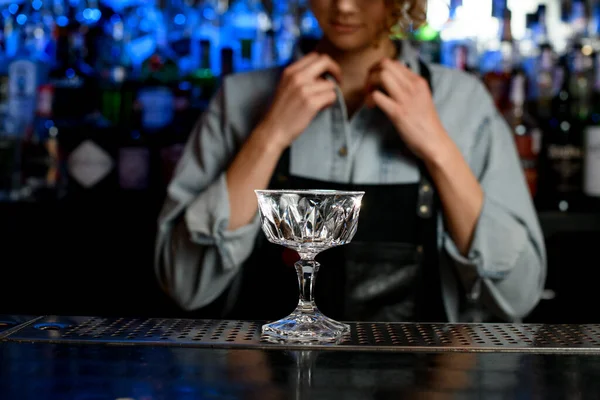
(54, 357)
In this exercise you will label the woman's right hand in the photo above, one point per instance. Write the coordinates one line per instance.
(301, 94)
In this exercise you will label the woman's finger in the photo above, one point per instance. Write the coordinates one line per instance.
(385, 81)
(302, 63)
(405, 77)
(320, 66)
(321, 85)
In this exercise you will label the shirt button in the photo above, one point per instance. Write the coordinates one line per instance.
(424, 209)
(343, 151)
(425, 188)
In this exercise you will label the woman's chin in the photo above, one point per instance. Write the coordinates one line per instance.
(349, 43)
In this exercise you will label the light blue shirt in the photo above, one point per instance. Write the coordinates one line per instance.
(197, 257)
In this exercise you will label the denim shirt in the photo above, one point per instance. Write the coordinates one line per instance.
(197, 257)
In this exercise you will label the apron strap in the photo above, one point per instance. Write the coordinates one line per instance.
(425, 203)
(280, 178)
(430, 304)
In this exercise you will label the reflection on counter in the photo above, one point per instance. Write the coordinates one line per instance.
(60, 372)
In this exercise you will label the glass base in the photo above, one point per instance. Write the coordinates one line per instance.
(305, 326)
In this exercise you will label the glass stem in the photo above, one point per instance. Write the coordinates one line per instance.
(307, 275)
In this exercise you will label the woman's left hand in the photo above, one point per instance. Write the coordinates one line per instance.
(406, 99)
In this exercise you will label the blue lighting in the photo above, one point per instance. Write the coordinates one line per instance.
(179, 19)
(70, 73)
(21, 19)
(87, 13)
(135, 135)
(185, 85)
(145, 25)
(13, 8)
(49, 124)
(209, 13)
(596, 118)
(36, 4)
(62, 21)
(96, 14)
(5, 14)
(115, 19)
(553, 123)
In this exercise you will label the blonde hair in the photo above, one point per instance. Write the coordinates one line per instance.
(406, 15)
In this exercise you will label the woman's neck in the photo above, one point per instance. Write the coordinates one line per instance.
(355, 67)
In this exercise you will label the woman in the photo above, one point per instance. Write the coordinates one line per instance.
(447, 225)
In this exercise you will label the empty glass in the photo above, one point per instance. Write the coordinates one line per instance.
(309, 222)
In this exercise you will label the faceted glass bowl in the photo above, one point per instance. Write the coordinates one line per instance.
(309, 222)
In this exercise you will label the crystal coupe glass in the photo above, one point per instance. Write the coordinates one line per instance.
(309, 222)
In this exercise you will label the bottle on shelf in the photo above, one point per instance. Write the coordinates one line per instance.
(26, 71)
(203, 82)
(561, 170)
(527, 134)
(591, 173)
(155, 100)
(246, 25)
(547, 76)
(498, 80)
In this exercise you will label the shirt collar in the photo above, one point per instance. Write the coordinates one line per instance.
(406, 51)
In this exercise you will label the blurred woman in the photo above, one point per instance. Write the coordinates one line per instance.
(447, 228)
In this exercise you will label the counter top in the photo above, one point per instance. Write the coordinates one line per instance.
(55, 357)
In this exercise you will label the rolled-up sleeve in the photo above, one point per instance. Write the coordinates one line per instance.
(196, 255)
(207, 219)
(507, 254)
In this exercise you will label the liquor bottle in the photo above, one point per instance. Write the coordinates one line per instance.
(591, 173)
(428, 42)
(180, 23)
(208, 28)
(498, 80)
(527, 134)
(10, 147)
(246, 24)
(116, 95)
(541, 31)
(561, 170)
(74, 96)
(269, 57)
(546, 78)
(202, 80)
(226, 62)
(25, 73)
(462, 59)
(529, 52)
(286, 29)
(309, 26)
(71, 78)
(580, 84)
(90, 151)
(155, 101)
(134, 172)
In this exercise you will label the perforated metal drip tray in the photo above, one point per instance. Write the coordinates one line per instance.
(363, 336)
(10, 323)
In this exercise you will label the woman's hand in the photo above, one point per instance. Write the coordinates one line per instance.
(408, 104)
(301, 94)
(406, 99)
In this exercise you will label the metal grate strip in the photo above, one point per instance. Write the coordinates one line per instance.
(363, 336)
(12, 323)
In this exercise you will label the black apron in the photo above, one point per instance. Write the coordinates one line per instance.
(389, 272)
